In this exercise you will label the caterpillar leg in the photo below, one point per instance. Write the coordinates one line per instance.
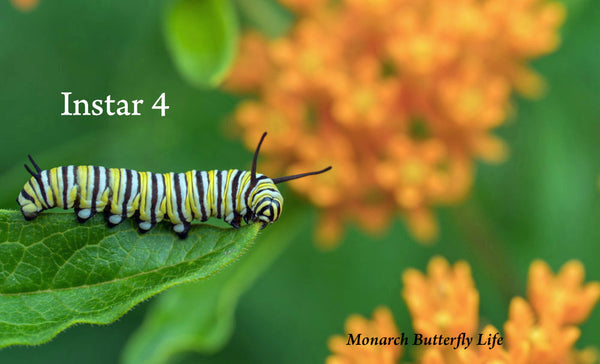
(145, 226)
(84, 215)
(114, 220)
(182, 229)
(235, 221)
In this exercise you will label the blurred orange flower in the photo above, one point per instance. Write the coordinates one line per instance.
(382, 325)
(445, 302)
(25, 5)
(399, 96)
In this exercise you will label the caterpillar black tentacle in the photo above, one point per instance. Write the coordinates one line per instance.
(231, 195)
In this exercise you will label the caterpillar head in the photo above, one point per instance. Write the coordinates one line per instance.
(265, 200)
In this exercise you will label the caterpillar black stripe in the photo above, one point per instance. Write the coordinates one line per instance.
(153, 197)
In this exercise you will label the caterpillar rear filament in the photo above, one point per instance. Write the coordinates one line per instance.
(231, 195)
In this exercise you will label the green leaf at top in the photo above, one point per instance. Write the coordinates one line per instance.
(202, 37)
(55, 272)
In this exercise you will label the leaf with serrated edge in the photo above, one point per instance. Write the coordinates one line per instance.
(55, 272)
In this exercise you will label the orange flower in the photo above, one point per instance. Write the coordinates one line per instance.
(445, 302)
(562, 299)
(25, 5)
(382, 325)
(400, 97)
(543, 329)
(251, 70)
(547, 343)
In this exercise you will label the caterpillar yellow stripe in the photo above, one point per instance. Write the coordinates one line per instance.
(231, 195)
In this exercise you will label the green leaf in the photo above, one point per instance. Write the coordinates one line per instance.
(55, 272)
(209, 305)
(202, 36)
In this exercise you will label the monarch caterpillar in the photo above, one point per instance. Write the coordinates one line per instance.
(152, 197)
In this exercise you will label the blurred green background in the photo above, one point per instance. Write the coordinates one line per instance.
(544, 202)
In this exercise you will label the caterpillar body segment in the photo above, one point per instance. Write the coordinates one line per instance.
(231, 195)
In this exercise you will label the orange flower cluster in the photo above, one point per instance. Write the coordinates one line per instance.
(25, 5)
(445, 301)
(382, 325)
(400, 96)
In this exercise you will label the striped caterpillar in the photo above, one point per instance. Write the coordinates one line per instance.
(179, 197)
